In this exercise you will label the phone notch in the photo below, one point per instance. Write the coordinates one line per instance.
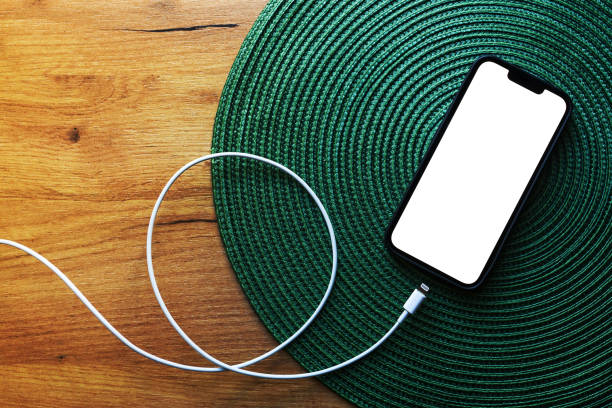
(526, 80)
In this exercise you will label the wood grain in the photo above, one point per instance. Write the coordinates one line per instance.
(101, 101)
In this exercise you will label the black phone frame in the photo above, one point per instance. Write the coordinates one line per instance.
(534, 84)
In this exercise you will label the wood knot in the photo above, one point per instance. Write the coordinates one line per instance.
(74, 135)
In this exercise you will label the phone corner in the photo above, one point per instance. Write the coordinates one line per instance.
(388, 241)
(569, 106)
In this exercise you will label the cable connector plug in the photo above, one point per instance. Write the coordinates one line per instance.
(416, 298)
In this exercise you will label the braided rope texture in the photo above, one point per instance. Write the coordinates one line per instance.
(349, 95)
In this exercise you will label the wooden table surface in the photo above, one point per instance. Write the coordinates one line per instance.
(101, 101)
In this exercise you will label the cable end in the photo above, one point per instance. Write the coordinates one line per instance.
(416, 298)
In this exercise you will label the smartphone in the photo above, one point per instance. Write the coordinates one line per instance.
(478, 171)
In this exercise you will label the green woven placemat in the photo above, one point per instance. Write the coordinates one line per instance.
(349, 95)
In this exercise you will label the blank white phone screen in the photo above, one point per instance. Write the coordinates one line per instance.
(477, 174)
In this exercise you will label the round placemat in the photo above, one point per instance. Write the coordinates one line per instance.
(349, 95)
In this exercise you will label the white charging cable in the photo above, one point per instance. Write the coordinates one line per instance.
(411, 305)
